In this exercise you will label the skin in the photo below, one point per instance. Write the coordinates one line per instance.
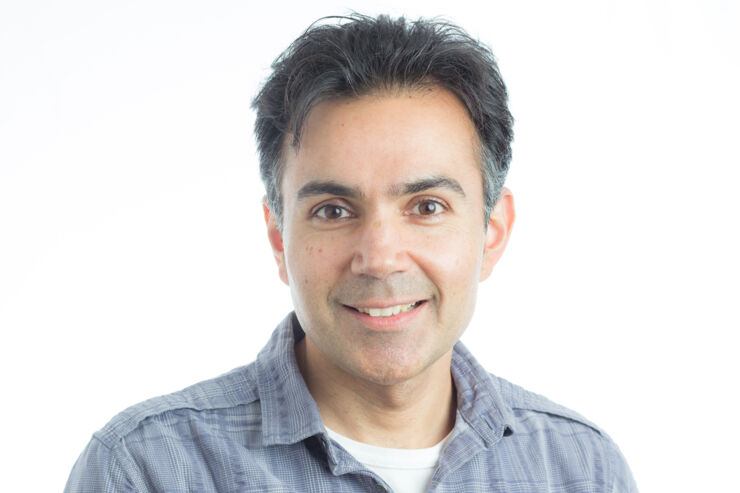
(382, 202)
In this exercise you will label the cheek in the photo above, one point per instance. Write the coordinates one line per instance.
(452, 262)
(455, 248)
(311, 264)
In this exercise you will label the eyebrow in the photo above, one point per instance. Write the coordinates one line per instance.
(423, 184)
(330, 187)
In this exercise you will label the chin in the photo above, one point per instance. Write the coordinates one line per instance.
(391, 377)
(387, 373)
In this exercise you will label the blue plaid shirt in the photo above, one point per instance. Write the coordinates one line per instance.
(257, 429)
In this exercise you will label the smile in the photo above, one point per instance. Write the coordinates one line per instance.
(388, 311)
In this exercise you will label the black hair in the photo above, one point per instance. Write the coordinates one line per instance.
(360, 55)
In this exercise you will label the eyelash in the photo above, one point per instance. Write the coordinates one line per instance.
(316, 212)
(425, 200)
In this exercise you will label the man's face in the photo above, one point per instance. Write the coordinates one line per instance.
(382, 242)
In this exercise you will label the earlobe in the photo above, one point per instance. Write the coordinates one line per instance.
(276, 241)
(500, 224)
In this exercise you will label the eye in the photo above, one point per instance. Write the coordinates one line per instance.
(428, 207)
(331, 212)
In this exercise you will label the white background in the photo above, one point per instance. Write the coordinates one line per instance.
(133, 259)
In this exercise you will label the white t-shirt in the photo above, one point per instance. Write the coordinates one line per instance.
(405, 470)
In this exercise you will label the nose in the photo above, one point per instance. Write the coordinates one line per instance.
(380, 249)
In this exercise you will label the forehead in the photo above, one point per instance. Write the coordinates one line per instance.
(385, 138)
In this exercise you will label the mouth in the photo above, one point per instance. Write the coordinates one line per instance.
(387, 311)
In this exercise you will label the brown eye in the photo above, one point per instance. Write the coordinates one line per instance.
(428, 208)
(331, 212)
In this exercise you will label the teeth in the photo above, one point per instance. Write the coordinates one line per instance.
(388, 311)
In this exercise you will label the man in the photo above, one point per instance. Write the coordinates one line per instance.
(384, 145)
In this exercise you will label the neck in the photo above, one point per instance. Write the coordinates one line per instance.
(415, 413)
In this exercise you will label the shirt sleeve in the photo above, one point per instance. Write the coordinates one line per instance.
(98, 470)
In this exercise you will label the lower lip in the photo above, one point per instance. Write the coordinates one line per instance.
(388, 324)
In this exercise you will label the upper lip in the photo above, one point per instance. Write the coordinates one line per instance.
(380, 304)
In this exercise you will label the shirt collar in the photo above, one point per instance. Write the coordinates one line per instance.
(289, 413)
(479, 401)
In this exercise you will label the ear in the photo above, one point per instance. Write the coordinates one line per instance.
(497, 235)
(276, 241)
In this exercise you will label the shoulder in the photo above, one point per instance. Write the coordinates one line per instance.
(144, 444)
(204, 401)
(534, 410)
(565, 436)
